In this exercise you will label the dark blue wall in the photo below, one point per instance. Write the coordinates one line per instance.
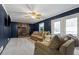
(47, 22)
(4, 31)
(14, 31)
(47, 25)
(35, 27)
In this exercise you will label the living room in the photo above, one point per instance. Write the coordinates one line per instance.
(39, 29)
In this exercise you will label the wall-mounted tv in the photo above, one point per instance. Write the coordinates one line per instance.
(7, 20)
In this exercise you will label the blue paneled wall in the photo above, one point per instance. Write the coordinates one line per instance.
(4, 31)
(34, 27)
(14, 31)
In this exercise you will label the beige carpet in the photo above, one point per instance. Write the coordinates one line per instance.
(76, 51)
(19, 46)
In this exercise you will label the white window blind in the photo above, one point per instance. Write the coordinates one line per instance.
(71, 26)
(57, 27)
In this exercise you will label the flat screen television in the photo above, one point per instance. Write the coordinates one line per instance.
(7, 20)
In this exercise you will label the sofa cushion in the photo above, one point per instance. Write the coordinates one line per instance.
(40, 33)
(39, 37)
(55, 42)
(66, 38)
(61, 39)
(75, 39)
(35, 33)
(46, 33)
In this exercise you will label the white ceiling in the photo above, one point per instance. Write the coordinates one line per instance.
(18, 12)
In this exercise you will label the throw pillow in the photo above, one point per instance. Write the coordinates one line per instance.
(55, 42)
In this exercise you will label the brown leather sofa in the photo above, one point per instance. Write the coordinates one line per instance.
(38, 35)
(55, 46)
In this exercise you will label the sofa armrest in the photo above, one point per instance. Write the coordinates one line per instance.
(42, 44)
(43, 49)
(67, 48)
(40, 48)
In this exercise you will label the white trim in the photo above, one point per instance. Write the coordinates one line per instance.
(52, 27)
(4, 8)
(78, 27)
(62, 26)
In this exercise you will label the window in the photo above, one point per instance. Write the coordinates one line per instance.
(71, 26)
(57, 27)
(41, 27)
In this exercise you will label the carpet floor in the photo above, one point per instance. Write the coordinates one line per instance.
(19, 46)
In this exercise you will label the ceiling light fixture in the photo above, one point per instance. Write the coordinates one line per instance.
(36, 15)
(33, 14)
